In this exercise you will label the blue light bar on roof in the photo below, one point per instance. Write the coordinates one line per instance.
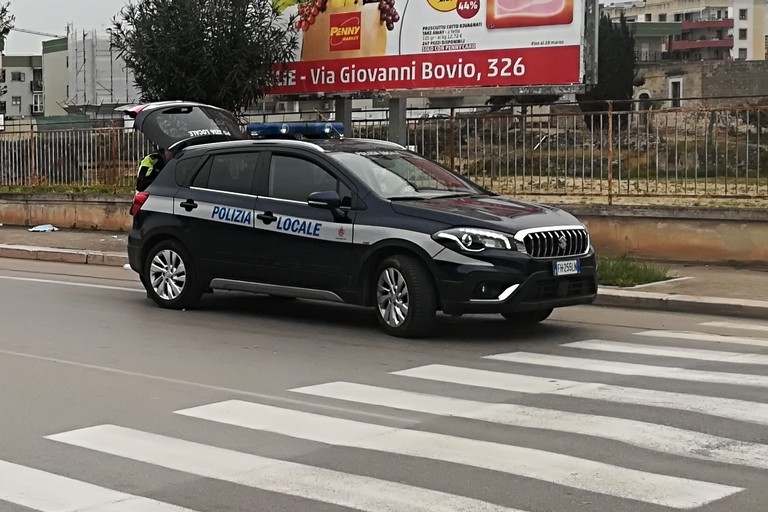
(295, 130)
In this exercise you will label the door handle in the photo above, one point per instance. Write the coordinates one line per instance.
(189, 205)
(266, 217)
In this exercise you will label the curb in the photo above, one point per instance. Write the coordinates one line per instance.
(27, 252)
(676, 303)
(606, 296)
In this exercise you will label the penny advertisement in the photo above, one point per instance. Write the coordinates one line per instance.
(353, 46)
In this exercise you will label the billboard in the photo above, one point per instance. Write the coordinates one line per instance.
(353, 46)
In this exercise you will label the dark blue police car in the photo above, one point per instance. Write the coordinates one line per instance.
(354, 221)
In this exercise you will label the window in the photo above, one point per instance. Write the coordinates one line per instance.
(742, 14)
(295, 179)
(742, 34)
(17, 76)
(648, 17)
(232, 172)
(678, 17)
(184, 167)
(37, 104)
(742, 53)
(662, 17)
(676, 91)
(15, 100)
(3, 107)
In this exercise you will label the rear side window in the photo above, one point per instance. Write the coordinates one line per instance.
(231, 172)
(184, 168)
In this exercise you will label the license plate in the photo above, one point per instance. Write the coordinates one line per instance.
(567, 267)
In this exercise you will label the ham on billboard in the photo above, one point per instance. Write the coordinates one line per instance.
(353, 46)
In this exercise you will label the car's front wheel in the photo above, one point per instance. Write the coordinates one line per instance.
(528, 317)
(406, 303)
(169, 276)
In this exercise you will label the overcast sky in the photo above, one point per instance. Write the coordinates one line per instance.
(52, 16)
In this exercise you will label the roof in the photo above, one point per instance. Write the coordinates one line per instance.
(325, 145)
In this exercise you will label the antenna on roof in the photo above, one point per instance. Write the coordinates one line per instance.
(341, 135)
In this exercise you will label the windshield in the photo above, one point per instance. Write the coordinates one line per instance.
(404, 175)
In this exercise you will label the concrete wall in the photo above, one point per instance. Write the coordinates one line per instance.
(709, 79)
(717, 235)
(66, 211)
(55, 76)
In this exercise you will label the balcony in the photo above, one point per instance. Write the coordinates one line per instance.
(707, 23)
(702, 43)
(36, 86)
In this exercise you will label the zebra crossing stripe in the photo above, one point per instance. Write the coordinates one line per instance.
(665, 351)
(551, 467)
(325, 485)
(651, 436)
(742, 410)
(744, 326)
(48, 492)
(632, 369)
(703, 336)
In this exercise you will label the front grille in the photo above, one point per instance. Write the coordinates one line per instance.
(561, 288)
(556, 243)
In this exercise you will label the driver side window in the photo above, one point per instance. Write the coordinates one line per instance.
(295, 178)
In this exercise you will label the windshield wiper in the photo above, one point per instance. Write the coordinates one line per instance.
(408, 198)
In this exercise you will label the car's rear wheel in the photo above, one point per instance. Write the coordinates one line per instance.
(528, 317)
(169, 276)
(406, 302)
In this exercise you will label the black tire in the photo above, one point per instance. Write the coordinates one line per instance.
(528, 317)
(418, 295)
(179, 265)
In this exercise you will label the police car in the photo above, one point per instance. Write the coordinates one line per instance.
(294, 210)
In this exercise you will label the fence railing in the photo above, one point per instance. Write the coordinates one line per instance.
(698, 152)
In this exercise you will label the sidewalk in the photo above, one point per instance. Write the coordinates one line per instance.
(703, 289)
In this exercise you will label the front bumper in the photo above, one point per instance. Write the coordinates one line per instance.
(514, 283)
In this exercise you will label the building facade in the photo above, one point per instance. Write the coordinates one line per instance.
(709, 29)
(23, 77)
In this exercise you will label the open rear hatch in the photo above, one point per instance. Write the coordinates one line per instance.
(175, 125)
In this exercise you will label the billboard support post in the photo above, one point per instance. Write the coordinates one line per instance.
(398, 124)
(343, 113)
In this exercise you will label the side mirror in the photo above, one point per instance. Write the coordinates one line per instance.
(328, 199)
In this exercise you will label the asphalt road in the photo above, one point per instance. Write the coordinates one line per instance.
(111, 404)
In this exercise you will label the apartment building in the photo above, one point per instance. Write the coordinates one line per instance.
(23, 77)
(708, 30)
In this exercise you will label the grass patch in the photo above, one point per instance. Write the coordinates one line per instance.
(623, 271)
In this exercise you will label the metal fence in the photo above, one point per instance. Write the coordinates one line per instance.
(695, 152)
(83, 156)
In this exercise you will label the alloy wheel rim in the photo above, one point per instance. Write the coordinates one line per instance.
(168, 274)
(392, 297)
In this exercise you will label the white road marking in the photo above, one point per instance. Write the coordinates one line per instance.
(703, 336)
(338, 488)
(753, 412)
(632, 369)
(651, 436)
(743, 326)
(47, 492)
(69, 283)
(665, 351)
(551, 467)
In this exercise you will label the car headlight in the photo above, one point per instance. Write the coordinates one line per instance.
(473, 239)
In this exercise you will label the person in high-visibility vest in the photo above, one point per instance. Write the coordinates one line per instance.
(150, 167)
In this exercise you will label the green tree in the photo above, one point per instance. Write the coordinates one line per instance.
(6, 23)
(219, 52)
(616, 74)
